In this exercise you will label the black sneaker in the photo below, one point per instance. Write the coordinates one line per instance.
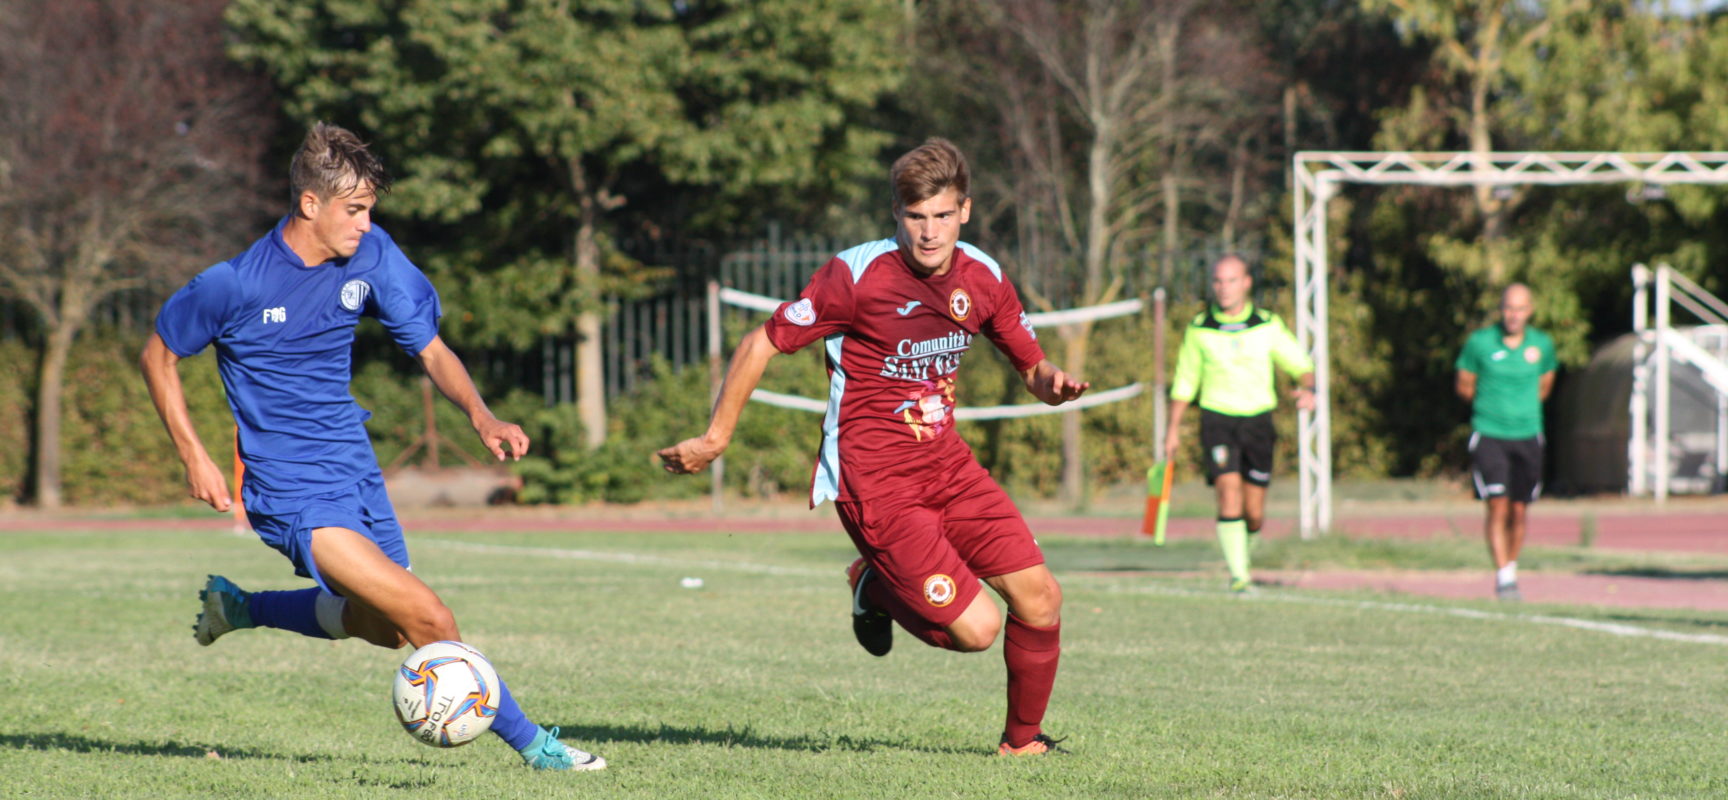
(873, 628)
(1040, 745)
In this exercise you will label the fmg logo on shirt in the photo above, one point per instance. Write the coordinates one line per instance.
(277, 314)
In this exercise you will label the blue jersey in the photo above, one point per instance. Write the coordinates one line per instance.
(284, 335)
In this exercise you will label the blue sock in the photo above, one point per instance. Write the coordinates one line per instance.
(291, 611)
(511, 724)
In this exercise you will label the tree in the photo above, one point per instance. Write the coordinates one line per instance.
(1475, 42)
(1109, 113)
(526, 132)
(1420, 266)
(129, 151)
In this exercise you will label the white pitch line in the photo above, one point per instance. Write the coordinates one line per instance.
(1612, 628)
(625, 558)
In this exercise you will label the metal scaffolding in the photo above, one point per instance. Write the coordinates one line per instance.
(1649, 451)
(1318, 176)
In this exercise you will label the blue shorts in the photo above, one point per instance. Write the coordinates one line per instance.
(286, 523)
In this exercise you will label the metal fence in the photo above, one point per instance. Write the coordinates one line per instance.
(671, 325)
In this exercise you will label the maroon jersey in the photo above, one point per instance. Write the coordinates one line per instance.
(894, 339)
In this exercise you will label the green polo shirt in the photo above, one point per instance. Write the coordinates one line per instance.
(1227, 361)
(1508, 401)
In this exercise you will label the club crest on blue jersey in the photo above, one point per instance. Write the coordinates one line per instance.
(354, 294)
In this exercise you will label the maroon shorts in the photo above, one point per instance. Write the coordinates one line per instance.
(933, 542)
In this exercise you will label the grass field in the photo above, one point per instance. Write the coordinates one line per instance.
(751, 686)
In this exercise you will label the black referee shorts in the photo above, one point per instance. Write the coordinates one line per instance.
(1510, 468)
(1238, 444)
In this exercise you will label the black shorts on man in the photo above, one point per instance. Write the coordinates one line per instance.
(1510, 468)
(1238, 444)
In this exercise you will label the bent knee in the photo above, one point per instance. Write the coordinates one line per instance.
(436, 622)
(1041, 607)
(387, 639)
(973, 640)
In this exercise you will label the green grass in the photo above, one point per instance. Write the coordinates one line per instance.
(752, 687)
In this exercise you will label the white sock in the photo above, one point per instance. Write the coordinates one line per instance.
(1507, 575)
(329, 607)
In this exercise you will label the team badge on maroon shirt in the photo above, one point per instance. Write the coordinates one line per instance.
(939, 590)
(959, 305)
(892, 365)
(802, 312)
(928, 409)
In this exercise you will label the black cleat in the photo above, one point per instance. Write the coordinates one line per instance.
(873, 628)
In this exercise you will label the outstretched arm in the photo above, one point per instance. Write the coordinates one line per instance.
(748, 362)
(1051, 385)
(445, 369)
(204, 480)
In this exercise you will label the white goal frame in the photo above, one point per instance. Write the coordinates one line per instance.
(1318, 175)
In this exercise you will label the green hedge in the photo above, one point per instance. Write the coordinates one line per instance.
(117, 453)
(773, 449)
(113, 447)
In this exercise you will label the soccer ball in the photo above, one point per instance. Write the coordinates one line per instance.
(446, 694)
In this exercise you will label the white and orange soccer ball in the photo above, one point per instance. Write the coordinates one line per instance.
(446, 694)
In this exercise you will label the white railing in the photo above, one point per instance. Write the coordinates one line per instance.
(1650, 460)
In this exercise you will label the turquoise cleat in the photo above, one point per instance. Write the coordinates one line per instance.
(546, 752)
(224, 610)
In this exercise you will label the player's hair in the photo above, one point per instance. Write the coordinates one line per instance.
(928, 170)
(333, 162)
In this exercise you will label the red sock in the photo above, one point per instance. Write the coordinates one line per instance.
(883, 597)
(1031, 654)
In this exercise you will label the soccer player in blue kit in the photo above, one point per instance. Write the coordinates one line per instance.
(282, 317)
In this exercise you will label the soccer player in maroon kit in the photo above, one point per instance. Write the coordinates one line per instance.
(894, 317)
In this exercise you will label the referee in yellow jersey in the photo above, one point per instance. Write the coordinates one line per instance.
(1227, 360)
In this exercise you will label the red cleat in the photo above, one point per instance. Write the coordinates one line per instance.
(1040, 745)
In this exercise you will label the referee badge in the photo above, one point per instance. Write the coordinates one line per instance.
(354, 294)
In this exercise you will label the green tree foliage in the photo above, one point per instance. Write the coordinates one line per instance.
(1421, 267)
(116, 451)
(532, 134)
(128, 161)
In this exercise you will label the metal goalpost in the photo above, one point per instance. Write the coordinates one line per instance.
(1319, 176)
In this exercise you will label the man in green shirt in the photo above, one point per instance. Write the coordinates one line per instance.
(1504, 373)
(1227, 361)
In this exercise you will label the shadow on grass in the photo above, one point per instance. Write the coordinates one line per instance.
(1662, 573)
(729, 736)
(83, 744)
